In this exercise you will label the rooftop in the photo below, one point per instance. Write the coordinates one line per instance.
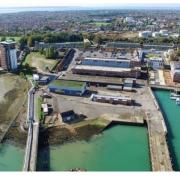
(108, 59)
(8, 42)
(64, 83)
(101, 68)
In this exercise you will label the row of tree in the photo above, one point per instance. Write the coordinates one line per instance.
(29, 40)
(100, 38)
(50, 53)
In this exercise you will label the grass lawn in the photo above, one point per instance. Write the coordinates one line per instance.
(17, 38)
(39, 61)
(39, 113)
(73, 84)
(98, 24)
(152, 56)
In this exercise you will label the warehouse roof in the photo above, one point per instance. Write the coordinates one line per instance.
(101, 68)
(64, 83)
(108, 59)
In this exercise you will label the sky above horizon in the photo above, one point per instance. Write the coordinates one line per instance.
(83, 3)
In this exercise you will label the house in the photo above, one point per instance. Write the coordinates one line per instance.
(68, 116)
(45, 109)
(44, 80)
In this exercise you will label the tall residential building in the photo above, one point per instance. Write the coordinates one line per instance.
(8, 56)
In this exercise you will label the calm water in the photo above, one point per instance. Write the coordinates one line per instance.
(171, 113)
(11, 157)
(120, 148)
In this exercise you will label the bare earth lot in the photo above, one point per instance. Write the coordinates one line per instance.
(40, 62)
(13, 97)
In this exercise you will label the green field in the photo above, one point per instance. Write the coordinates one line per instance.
(40, 62)
(98, 24)
(73, 84)
(17, 38)
(152, 56)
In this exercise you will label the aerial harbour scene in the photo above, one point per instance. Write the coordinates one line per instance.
(91, 88)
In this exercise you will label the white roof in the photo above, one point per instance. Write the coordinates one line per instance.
(36, 77)
(108, 59)
(101, 68)
(45, 108)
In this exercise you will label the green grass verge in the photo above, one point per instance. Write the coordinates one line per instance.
(39, 112)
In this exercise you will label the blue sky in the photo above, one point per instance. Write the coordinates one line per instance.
(26, 3)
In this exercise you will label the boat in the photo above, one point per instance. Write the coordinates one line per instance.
(175, 94)
(177, 101)
(78, 169)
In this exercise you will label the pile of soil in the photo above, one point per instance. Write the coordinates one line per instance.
(60, 135)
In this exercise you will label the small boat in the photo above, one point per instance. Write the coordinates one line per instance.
(177, 101)
(175, 94)
(78, 169)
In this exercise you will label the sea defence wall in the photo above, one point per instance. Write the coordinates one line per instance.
(33, 134)
(157, 131)
(158, 108)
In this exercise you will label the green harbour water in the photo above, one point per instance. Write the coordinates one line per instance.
(119, 148)
(11, 157)
(171, 113)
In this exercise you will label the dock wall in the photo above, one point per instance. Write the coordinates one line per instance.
(158, 108)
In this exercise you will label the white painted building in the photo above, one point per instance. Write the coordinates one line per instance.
(13, 59)
(145, 34)
(164, 33)
(155, 63)
(156, 34)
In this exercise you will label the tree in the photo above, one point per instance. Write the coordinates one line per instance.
(12, 39)
(3, 38)
(30, 41)
(51, 53)
(98, 39)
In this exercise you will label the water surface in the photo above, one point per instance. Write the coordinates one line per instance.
(119, 148)
(11, 157)
(171, 113)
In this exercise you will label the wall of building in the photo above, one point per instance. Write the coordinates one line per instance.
(107, 63)
(3, 63)
(130, 73)
(13, 59)
(67, 91)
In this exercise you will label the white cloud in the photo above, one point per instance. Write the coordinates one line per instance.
(11, 3)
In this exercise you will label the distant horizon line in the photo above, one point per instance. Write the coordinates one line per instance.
(20, 9)
(117, 5)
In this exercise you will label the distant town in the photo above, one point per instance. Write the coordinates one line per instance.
(67, 77)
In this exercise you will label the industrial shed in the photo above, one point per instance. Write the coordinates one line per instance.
(75, 88)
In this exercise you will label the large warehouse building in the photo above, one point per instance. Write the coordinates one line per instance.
(8, 56)
(67, 87)
(107, 67)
